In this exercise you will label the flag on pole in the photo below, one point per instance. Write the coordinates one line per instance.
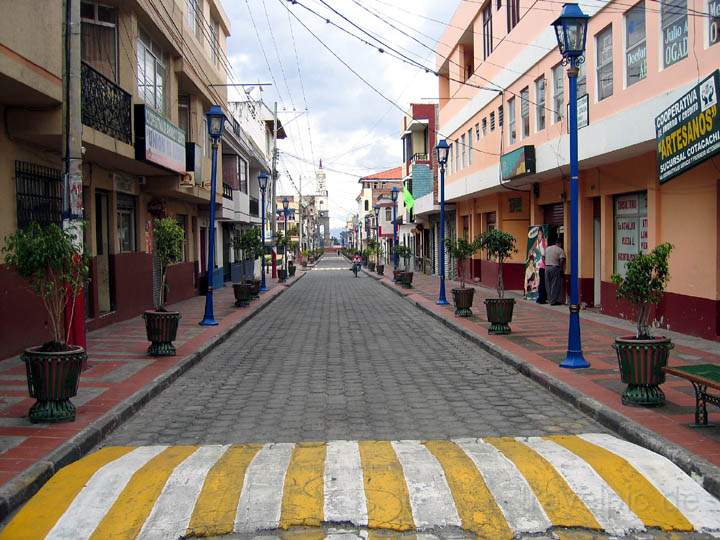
(408, 198)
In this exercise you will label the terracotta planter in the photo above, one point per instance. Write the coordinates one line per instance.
(243, 294)
(292, 269)
(499, 313)
(641, 363)
(282, 275)
(254, 287)
(380, 269)
(371, 266)
(396, 275)
(406, 279)
(463, 299)
(53, 379)
(161, 328)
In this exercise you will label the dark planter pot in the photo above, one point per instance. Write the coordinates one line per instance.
(292, 269)
(463, 299)
(499, 313)
(254, 287)
(396, 275)
(371, 266)
(243, 294)
(52, 380)
(641, 364)
(380, 269)
(161, 328)
(282, 275)
(406, 280)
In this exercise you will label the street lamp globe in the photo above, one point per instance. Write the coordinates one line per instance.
(285, 203)
(394, 194)
(216, 122)
(376, 208)
(571, 31)
(442, 149)
(262, 180)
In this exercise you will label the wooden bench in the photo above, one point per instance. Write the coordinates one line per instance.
(702, 377)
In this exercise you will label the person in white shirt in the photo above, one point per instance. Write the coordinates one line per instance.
(554, 265)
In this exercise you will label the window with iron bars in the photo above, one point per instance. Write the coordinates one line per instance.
(39, 194)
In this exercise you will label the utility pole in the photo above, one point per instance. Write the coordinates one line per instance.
(274, 184)
(72, 153)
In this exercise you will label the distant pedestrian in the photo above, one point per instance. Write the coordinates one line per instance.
(554, 269)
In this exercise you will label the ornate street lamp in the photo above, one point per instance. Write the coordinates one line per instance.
(216, 123)
(263, 182)
(394, 197)
(376, 208)
(285, 204)
(571, 31)
(442, 154)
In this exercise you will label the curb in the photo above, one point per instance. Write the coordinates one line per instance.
(21, 488)
(702, 471)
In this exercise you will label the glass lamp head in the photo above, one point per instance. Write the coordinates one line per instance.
(215, 121)
(571, 31)
(263, 180)
(394, 194)
(442, 149)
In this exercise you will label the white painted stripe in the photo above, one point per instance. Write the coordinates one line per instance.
(344, 485)
(611, 512)
(100, 493)
(261, 497)
(173, 509)
(697, 505)
(430, 496)
(512, 493)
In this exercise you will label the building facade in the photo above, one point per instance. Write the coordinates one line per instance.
(503, 103)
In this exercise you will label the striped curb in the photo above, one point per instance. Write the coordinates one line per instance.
(496, 487)
(18, 490)
(704, 472)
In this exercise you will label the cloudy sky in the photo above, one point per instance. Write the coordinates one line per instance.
(352, 128)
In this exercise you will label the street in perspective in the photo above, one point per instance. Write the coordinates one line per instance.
(359, 269)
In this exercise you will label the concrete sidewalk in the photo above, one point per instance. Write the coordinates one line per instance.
(119, 380)
(538, 344)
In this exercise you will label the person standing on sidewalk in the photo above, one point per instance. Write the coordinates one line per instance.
(554, 264)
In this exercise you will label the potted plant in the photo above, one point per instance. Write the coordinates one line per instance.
(380, 267)
(281, 242)
(291, 269)
(160, 324)
(499, 246)
(305, 254)
(405, 276)
(371, 253)
(461, 250)
(641, 357)
(242, 288)
(50, 259)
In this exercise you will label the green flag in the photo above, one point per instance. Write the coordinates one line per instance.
(408, 198)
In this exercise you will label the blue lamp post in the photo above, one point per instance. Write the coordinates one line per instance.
(262, 182)
(376, 209)
(394, 197)
(571, 31)
(442, 149)
(285, 204)
(216, 123)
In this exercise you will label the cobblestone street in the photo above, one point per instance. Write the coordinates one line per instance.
(329, 360)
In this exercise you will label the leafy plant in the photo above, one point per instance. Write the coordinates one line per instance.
(50, 259)
(281, 240)
(404, 252)
(645, 280)
(250, 243)
(461, 250)
(499, 245)
(169, 237)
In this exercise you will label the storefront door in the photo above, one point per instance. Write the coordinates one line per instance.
(102, 260)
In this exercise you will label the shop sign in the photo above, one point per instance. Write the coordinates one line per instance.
(714, 22)
(519, 162)
(688, 132)
(583, 112)
(536, 246)
(158, 141)
(631, 228)
(124, 184)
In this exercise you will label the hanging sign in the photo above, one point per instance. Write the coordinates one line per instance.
(583, 112)
(159, 141)
(519, 162)
(688, 132)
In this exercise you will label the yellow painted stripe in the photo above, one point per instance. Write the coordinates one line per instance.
(41, 512)
(215, 510)
(132, 507)
(303, 495)
(475, 504)
(562, 506)
(388, 502)
(631, 486)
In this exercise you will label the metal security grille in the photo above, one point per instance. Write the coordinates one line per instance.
(39, 194)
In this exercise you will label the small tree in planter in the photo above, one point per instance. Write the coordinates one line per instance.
(461, 250)
(50, 260)
(499, 245)
(249, 244)
(160, 324)
(405, 276)
(372, 253)
(281, 242)
(642, 357)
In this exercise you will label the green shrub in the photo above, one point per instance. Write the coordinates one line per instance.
(169, 237)
(461, 250)
(499, 245)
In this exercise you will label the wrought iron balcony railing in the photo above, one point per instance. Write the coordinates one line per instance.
(419, 157)
(254, 207)
(227, 191)
(105, 106)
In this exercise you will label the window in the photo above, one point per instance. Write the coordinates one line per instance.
(204, 139)
(540, 103)
(631, 228)
(512, 135)
(126, 222)
(468, 60)
(470, 147)
(484, 126)
(39, 192)
(513, 14)
(151, 73)
(215, 43)
(525, 111)
(457, 155)
(635, 45)
(477, 132)
(199, 19)
(464, 150)
(492, 121)
(487, 31)
(99, 38)
(558, 97)
(603, 42)
(501, 116)
(713, 22)
(184, 115)
(388, 214)
(243, 174)
(498, 4)
(367, 205)
(673, 14)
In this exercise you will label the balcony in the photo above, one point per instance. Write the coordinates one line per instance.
(418, 157)
(105, 106)
(227, 191)
(254, 207)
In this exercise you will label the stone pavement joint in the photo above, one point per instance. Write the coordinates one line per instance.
(496, 488)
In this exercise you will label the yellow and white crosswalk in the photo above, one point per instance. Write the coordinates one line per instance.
(492, 487)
